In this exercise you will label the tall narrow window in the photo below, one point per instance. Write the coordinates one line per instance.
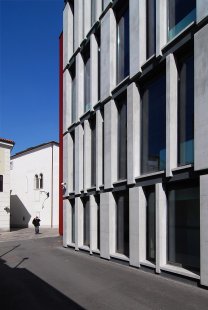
(153, 157)
(181, 14)
(73, 94)
(1, 183)
(184, 225)
(73, 163)
(122, 223)
(72, 202)
(86, 221)
(151, 27)
(36, 181)
(41, 181)
(122, 44)
(150, 223)
(122, 137)
(93, 150)
(87, 104)
(186, 110)
(97, 198)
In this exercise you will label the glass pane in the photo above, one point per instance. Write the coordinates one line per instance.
(150, 224)
(87, 85)
(154, 126)
(73, 221)
(181, 14)
(86, 211)
(186, 111)
(93, 150)
(184, 225)
(122, 221)
(122, 138)
(1, 183)
(151, 27)
(123, 47)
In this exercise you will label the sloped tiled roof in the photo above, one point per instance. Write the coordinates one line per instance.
(7, 141)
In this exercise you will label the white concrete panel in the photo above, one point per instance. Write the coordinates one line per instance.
(87, 155)
(79, 85)
(78, 159)
(78, 23)
(66, 223)
(87, 16)
(161, 25)
(201, 9)
(67, 34)
(67, 89)
(78, 223)
(93, 70)
(99, 149)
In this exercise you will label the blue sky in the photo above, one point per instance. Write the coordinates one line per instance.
(29, 60)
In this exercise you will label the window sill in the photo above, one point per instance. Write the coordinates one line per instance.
(180, 270)
(182, 167)
(120, 256)
(119, 86)
(177, 37)
(148, 61)
(147, 263)
(120, 182)
(149, 175)
(90, 189)
(72, 193)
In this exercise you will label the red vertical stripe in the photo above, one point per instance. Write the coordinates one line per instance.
(60, 133)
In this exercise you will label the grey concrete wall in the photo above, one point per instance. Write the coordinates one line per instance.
(108, 54)
(93, 70)
(78, 23)
(171, 114)
(200, 99)
(79, 86)
(87, 16)
(161, 25)
(66, 223)
(201, 9)
(67, 34)
(87, 156)
(203, 229)
(66, 100)
(99, 149)
(78, 159)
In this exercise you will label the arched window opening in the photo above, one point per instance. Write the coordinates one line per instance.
(36, 182)
(41, 181)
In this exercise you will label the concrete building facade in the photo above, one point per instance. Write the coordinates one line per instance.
(135, 117)
(34, 186)
(5, 150)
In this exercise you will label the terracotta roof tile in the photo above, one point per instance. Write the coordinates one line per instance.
(7, 141)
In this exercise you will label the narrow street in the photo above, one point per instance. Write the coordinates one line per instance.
(38, 273)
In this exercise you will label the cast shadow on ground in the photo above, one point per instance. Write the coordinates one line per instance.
(22, 290)
(19, 216)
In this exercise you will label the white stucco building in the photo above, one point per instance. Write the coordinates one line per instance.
(34, 185)
(5, 149)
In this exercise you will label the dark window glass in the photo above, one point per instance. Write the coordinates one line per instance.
(73, 95)
(97, 198)
(122, 137)
(86, 220)
(73, 164)
(184, 225)
(186, 110)
(150, 223)
(99, 65)
(103, 123)
(72, 220)
(151, 27)
(93, 150)
(123, 46)
(122, 223)
(181, 14)
(93, 11)
(41, 180)
(153, 157)
(1, 183)
(36, 182)
(87, 80)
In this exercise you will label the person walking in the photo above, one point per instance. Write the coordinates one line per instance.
(36, 223)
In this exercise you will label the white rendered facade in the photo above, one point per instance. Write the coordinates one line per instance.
(34, 174)
(91, 204)
(5, 150)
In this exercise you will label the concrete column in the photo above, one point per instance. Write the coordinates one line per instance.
(106, 3)
(200, 99)
(98, 4)
(137, 226)
(66, 164)
(93, 223)
(110, 144)
(201, 10)
(161, 226)
(78, 23)
(137, 27)
(108, 54)
(78, 223)
(79, 85)
(70, 165)
(66, 223)
(93, 70)
(87, 155)
(161, 25)
(171, 114)
(87, 16)
(133, 133)
(203, 229)
(78, 159)
(107, 225)
(99, 149)
(67, 34)
(66, 100)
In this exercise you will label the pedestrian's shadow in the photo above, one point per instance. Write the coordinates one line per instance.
(22, 290)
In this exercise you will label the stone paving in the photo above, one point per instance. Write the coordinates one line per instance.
(27, 233)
